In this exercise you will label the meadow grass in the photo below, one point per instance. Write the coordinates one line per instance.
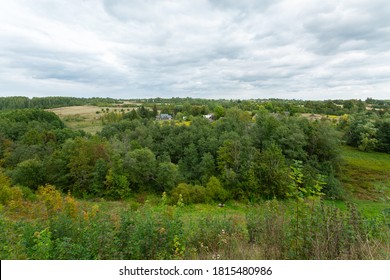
(77, 229)
(86, 118)
(366, 175)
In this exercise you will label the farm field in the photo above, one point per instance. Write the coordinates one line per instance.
(86, 118)
(80, 117)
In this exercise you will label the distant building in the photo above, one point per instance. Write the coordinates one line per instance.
(164, 117)
(209, 117)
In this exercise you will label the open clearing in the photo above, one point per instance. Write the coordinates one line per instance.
(80, 117)
(86, 118)
(85, 111)
(317, 117)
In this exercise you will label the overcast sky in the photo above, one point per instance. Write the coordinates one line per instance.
(295, 49)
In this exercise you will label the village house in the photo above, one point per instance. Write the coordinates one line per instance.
(164, 117)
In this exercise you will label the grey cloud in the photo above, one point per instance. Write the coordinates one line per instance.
(243, 5)
(231, 49)
(127, 10)
(350, 27)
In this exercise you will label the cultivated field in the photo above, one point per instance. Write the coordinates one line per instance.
(84, 111)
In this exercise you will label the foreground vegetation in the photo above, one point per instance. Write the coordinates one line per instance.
(123, 183)
(48, 225)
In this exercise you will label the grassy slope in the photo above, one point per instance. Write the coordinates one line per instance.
(366, 175)
(366, 178)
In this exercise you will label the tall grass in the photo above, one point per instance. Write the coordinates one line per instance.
(58, 227)
(326, 233)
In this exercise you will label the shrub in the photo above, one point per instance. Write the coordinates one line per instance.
(117, 186)
(214, 237)
(11, 246)
(43, 245)
(145, 234)
(85, 236)
(333, 188)
(51, 198)
(215, 191)
(189, 193)
(30, 237)
(268, 226)
(315, 231)
(9, 195)
(12, 197)
(5, 189)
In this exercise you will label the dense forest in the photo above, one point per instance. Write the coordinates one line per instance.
(242, 150)
(188, 150)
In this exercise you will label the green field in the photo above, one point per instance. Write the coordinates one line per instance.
(366, 175)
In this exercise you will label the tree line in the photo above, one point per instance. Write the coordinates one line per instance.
(21, 102)
(198, 106)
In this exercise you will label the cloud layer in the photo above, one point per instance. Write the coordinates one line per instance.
(301, 49)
